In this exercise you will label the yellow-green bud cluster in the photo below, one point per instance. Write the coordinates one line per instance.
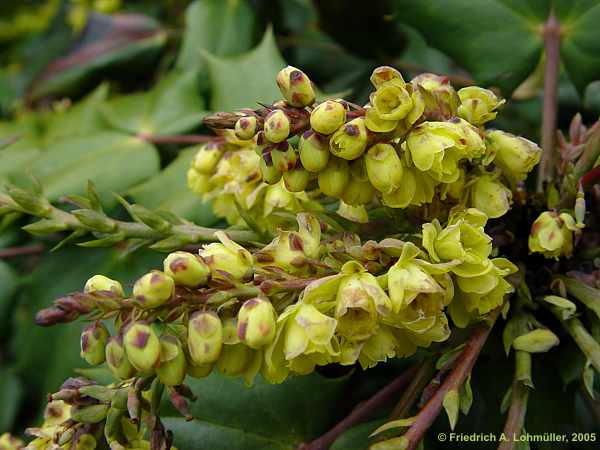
(413, 142)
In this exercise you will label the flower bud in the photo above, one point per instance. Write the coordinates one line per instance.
(384, 167)
(296, 180)
(10, 442)
(172, 368)
(384, 74)
(89, 413)
(314, 151)
(489, 195)
(234, 359)
(269, 172)
(334, 178)
(392, 101)
(198, 183)
(116, 359)
(580, 208)
(350, 140)
(256, 323)
(478, 105)
(277, 126)
(246, 127)
(153, 290)
(205, 337)
(102, 283)
(327, 117)
(186, 269)
(358, 192)
(142, 346)
(539, 340)
(515, 155)
(284, 157)
(85, 442)
(198, 372)
(206, 158)
(552, 234)
(93, 343)
(227, 259)
(296, 87)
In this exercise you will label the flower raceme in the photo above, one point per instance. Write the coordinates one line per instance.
(415, 141)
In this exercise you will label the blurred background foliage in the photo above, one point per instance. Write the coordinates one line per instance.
(85, 86)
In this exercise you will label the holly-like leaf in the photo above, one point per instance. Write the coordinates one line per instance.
(230, 415)
(172, 106)
(499, 44)
(112, 161)
(242, 81)
(120, 42)
(168, 191)
(580, 46)
(220, 27)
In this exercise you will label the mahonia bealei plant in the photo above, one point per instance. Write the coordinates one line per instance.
(313, 295)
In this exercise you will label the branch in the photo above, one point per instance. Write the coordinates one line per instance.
(464, 364)
(362, 411)
(418, 383)
(11, 252)
(177, 139)
(518, 401)
(549, 113)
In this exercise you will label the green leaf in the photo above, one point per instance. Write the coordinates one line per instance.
(580, 46)
(220, 27)
(107, 42)
(112, 161)
(244, 80)
(10, 395)
(168, 191)
(171, 107)
(45, 357)
(466, 396)
(451, 405)
(82, 118)
(398, 423)
(275, 416)
(499, 43)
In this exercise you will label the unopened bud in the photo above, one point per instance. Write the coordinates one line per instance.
(269, 172)
(93, 343)
(10, 442)
(314, 151)
(358, 192)
(89, 413)
(256, 323)
(350, 140)
(246, 127)
(142, 346)
(327, 117)
(284, 157)
(172, 368)
(277, 126)
(186, 269)
(103, 284)
(384, 167)
(539, 340)
(116, 359)
(296, 87)
(334, 178)
(206, 158)
(296, 180)
(580, 208)
(515, 155)
(201, 371)
(153, 289)
(489, 195)
(235, 359)
(205, 337)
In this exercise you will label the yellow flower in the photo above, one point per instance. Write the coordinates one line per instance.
(478, 105)
(515, 155)
(552, 234)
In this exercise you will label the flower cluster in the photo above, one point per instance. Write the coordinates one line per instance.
(413, 142)
(299, 302)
